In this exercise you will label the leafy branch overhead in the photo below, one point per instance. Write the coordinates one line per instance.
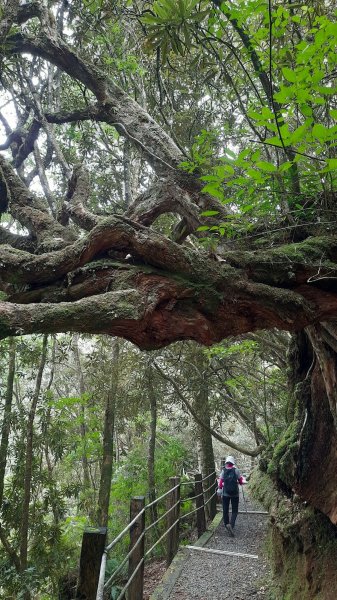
(168, 169)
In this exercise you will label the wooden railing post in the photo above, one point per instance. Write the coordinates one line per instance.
(209, 489)
(135, 590)
(93, 544)
(199, 502)
(213, 500)
(173, 535)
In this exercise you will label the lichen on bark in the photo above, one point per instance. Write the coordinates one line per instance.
(301, 545)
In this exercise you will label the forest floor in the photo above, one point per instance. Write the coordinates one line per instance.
(208, 576)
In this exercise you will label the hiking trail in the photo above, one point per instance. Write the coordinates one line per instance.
(202, 573)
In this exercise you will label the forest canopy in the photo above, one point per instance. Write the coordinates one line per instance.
(167, 173)
(168, 168)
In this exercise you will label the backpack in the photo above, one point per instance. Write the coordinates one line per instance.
(230, 482)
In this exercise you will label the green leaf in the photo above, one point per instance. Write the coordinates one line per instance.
(319, 132)
(285, 93)
(285, 166)
(247, 208)
(200, 16)
(149, 19)
(275, 141)
(327, 91)
(306, 110)
(255, 175)
(267, 113)
(332, 164)
(187, 35)
(266, 166)
(256, 155)
(290, 75)
(224, 171)
(213, 178)
(182, 8)
(243, 154)
(214, 190)
(255, 115)
(209, 213)
(231, 153)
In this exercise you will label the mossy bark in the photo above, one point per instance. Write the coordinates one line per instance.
(301, 545)
(297, 481)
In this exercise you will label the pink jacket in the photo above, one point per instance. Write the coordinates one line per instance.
(240, 478)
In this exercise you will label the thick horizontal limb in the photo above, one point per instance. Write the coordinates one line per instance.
(116, 233)
(153, 308)
(21, 242)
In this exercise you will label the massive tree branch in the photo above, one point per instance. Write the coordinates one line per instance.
(77, 196)
(176, 295)
(118, 109)
(162, 292)
(164, 197)
(20, 242)
(31, 212)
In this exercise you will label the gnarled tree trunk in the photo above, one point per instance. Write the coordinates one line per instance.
(299, 484)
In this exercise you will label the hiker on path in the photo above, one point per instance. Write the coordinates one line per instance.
(229, 482)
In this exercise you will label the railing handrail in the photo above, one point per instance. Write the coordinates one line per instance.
(162, 496)
(101, 584)
(125, 530)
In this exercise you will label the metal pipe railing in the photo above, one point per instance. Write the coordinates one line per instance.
(161, 537)
(122, 533)
(162, 496)
(162, 516)
(130, 579)
(124, 561)
(101, 585)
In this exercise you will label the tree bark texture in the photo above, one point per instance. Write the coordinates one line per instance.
(6, 420)
(305, 460)
(201, 408)
(29, 458)
(83, 428)
(108, 439)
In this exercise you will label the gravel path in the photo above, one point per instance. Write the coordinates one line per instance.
(218, 577)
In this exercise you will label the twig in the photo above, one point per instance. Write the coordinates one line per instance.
(294, 151)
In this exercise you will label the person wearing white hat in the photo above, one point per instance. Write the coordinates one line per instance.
(229, 482)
